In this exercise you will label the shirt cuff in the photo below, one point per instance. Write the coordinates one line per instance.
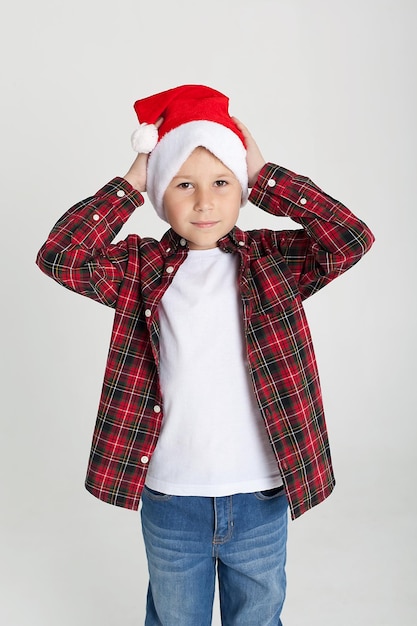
(119, 188)
(268, 178)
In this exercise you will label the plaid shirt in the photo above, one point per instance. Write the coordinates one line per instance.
(277, 271)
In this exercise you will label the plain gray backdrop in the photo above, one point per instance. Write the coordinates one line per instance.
(328, 88)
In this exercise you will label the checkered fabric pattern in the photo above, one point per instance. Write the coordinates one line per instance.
(278, 270)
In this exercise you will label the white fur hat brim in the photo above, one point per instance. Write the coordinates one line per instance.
(177, 145)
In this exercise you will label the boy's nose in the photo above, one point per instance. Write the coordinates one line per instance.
(204, 201)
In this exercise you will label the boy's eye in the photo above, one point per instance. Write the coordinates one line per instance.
(184, 186)
(220, 183)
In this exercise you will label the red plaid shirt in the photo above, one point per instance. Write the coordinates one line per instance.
(278, 270)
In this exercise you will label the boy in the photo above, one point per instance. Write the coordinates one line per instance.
(211, 409)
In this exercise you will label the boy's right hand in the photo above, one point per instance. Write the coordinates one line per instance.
(136, 175)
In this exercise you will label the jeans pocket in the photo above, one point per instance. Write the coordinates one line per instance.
(157, 496)
(270, 494)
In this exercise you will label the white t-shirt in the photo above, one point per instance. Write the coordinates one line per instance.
(213, 441)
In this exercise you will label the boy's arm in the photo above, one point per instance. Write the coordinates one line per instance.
(333, 239)
(78, 253)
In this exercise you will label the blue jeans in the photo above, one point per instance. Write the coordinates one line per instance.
(186, 538)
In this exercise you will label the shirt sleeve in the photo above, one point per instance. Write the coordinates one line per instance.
(78, 253)
(332, 238)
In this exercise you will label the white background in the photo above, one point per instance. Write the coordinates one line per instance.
(328, 88)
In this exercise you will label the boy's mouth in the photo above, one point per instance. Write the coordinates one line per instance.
(204, 224)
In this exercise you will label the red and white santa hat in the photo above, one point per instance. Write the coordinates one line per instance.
(193, 116)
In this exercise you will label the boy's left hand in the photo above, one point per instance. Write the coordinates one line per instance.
(254, 159)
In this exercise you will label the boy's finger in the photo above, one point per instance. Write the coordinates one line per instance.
(240, 124)
(243, 129)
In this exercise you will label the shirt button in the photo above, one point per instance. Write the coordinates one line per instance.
(120, 193)
(170, 269)
(168, 250)
(96, 217)
(157, 408)
(241, 243)
(183, 241)
(144, 459)
(148, 313)
(303, 201)
(271, 182)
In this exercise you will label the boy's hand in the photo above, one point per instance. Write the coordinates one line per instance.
(254, 159)
(136, 175)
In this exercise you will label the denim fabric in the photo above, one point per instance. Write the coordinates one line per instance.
(188, 538)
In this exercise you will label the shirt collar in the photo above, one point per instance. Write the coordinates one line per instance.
(235, 241)
(171, 243)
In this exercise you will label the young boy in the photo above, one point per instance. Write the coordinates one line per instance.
(211, 410)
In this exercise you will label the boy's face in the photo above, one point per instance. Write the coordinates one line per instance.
(202, 201)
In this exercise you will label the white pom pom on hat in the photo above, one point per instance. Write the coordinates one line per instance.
(193, 116)
(145, 138)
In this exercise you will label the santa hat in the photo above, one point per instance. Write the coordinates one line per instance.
(193, 116)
